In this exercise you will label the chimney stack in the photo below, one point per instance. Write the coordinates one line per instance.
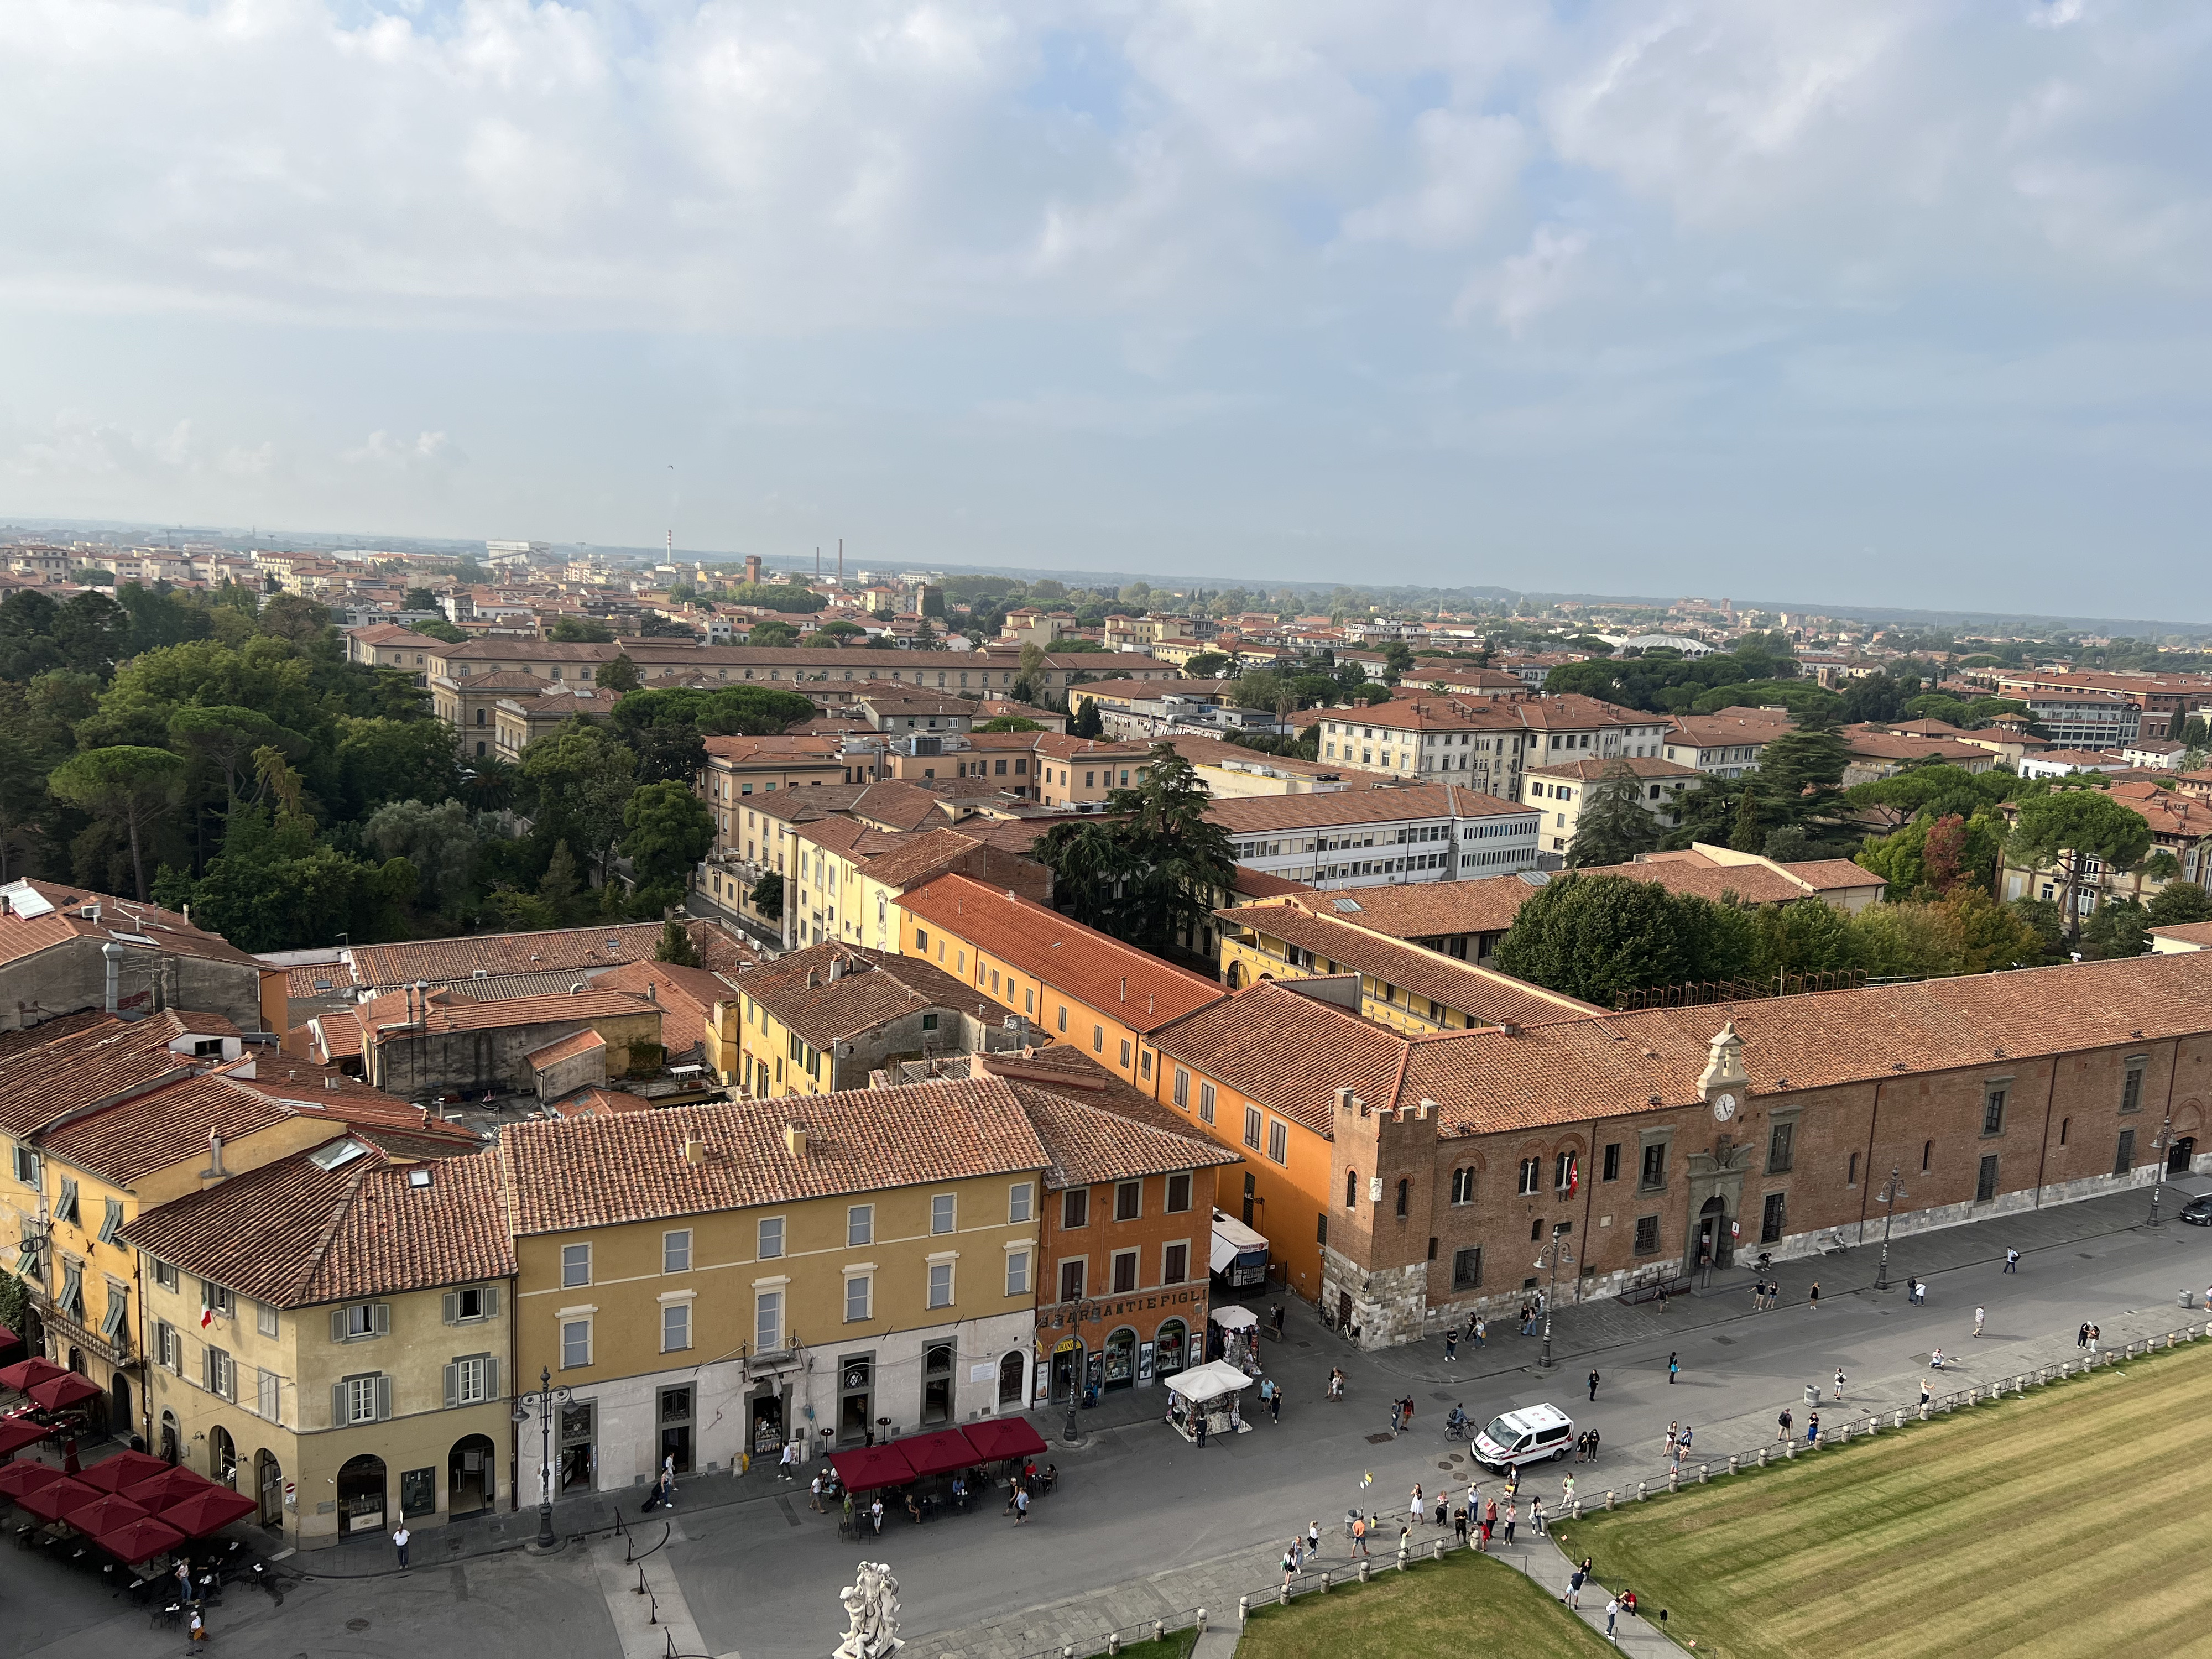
(795, 1139)
(694, 1150)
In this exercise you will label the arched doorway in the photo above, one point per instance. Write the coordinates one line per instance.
(1169, 1345)
(937, 1385)
(2184, 1153)
(1009, 1382)
(118, 1406)
(361, 1496)
(269, 1488)
(469, 1483)
(1236, 975)
(169, 1448)
(222, 1457)
(1715, 1246)
(1121, 1359)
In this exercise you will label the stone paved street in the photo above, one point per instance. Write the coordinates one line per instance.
(1145, 1526)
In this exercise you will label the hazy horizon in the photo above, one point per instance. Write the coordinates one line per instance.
(1895, 305)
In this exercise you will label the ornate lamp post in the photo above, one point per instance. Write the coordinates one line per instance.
(543, 1402)
(2160, 1145)
(1560, 1254)
(1891, 1190)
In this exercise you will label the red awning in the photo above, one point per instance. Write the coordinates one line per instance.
(139, 1540)
(103, 1511)
(16, 1479)
(171, 1486)
(208, 1511)
(24, 1372)
(8, 1337)
(1003, 1437)
(871, 1466)
(17, 1432)
(60, 1393)
(937, 1453)
(123, 1470)
(57, 1498)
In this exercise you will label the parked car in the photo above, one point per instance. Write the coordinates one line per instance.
(2197, 1213)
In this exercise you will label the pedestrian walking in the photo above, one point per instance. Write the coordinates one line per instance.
(2012, 1260)
(1673, 1368)
(1336, 1382)
(1021, 1505)
(1593, 1382)
(876, 1514)
(1278, 1321)
(815, 1502)
(1567, 1494)
(1359, 1536)
(1512, 1509)
(185, 1596)
(1536, 1514)
(1813, 1429)
(1409, 1411)
(1451, 1344)
(1782, 1425)
(1417, 1504)
(1812, 1296)
(1481, 1331)
(1911, 1288)
(1611, 1613)
(1662, 1298)
(788, 1469)
(1924, 1393)
(1313, 1540)
(1201, 1428)
(1978, 1316)
(1290, 1564)
(1275, 1404)
(1840, 1382)
(399, 1537)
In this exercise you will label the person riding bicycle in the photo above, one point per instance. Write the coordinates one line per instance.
(1455, 1422)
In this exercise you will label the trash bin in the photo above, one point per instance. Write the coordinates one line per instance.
(2187, 1300)
(1812, 1394)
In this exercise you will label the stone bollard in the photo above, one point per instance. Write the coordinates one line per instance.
(1436, 1550)
(1643, 1491)
(1874, 1422)
(1113, 1641)
(1574, 1508)
(1324, 1583)
(1923, 1412)
(1402, 1555)
(1674, 1479)
(1609, 1498)
(1789, 1451)
(1705, 1473)
(1732, 1467)
(1283, 1596)
(1762, 1458)
(1844, 1435)
(1900, 1419)
(1201, 1621)
(1365, 1567)
(1159, 1630)
(1244, 1608)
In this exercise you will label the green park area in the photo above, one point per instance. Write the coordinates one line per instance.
(2072, 1520)
(1464, 1603)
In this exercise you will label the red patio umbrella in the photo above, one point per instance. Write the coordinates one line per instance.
(57, 1498)
(171, 1486)
(17, 1432)
(208, 1511)
(102, 1510)
(24, 1372)
(59, 1393)
(937, 1453)
(1003, 1437)
(142, 1539)
(16, 1479)
(124, 1469)
(8, 1337)
(871, 1466)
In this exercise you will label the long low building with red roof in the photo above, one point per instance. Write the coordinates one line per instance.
(1402, 1178)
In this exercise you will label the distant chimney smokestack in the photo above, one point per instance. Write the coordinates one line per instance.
(795, 1139)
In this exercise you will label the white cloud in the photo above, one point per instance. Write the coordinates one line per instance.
(424, 449)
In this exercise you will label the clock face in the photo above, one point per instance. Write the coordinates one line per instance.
(1724, 1107)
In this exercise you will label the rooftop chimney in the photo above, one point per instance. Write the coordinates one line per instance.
(795, 1139)
(694, 1150)
(1125, 988)
(215, 1171)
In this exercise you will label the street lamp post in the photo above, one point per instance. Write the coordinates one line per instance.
(2165, 1139)
(1891, 1190)
(1557, 1249)
(545, 1400)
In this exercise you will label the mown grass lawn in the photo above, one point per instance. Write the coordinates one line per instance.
(1464, 1604)
(2076, 1519)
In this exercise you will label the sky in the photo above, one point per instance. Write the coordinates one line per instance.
(1892, 303)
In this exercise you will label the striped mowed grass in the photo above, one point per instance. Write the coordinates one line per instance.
(2075, 1519)
(1465, 1603)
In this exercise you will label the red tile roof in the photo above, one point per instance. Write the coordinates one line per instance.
(574, 1047)
(294, 1234)
(1096, 1127)
(1288, 1051)
(687, 996)
(58, 915)
(1132, 986)
(148, 1132)
(871, 987)
(87, 1065)
(631, 1166)
(1429, 909)
(386, 967)
(1388, 804)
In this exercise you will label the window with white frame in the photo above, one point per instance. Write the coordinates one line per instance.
(1252, 1127)
(860, 1225)
(268, 1394)
(575, 1265)
(675, 1251)
(364, 1398)
(1017, 1272)
(940, 1284)
(1205, 1102)
(264, 1319)
(219, 1373)
(1019, 1199)
(575, 1343)
(468, 1382)
(859, 1297)
(1279, 1141)
(675, 1326)
(215, 1299)
(768, 1321)
(943, 1211)
(165, 1275)
(771, 1237)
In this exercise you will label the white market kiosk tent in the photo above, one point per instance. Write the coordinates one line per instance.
(1209, 1390)
(1234, 1318)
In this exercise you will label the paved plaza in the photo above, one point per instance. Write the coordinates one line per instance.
(1145, 1526)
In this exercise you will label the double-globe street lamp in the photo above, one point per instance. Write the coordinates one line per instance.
(1891, 1190)
(1560, 1255)
(544, 1402)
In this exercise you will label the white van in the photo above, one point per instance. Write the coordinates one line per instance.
(1529, 1436)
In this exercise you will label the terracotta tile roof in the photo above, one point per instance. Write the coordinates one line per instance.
(1594, 771)
(1289, 1052)
(1096, 1127)
(631, 1166)
(598, 1103)
(320, 982)
(150, 1130)
(572, 1047)
(505, 680)
(871, 987)
(853, 839)
(1213, 751)
(1258, 883)
(386, 967)
(1576, 711)
(1831, 874)
(1429, 712)
(1387, 803)
(1747, 884)
(1480, 993)
(897, 804)
(294, 1234)
(1136, 987)
(802, 749)
(494, 987)
(1720, 730)
(687, 996)
(1572, 1071)
(92, 1065)
(2198, 933)
(582, 700)
(321, 1091)
(915, 858)
(449, 1013)
(1429, 909)
(56, 914)
(1879, 745)
(396, 635)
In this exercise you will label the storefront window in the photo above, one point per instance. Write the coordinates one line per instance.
(1168, 1348)
(1121, 1359)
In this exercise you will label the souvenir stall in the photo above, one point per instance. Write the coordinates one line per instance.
(1240, 1337)
(1212, 1393)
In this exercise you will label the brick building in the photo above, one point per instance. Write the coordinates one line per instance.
(1402, 1180)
